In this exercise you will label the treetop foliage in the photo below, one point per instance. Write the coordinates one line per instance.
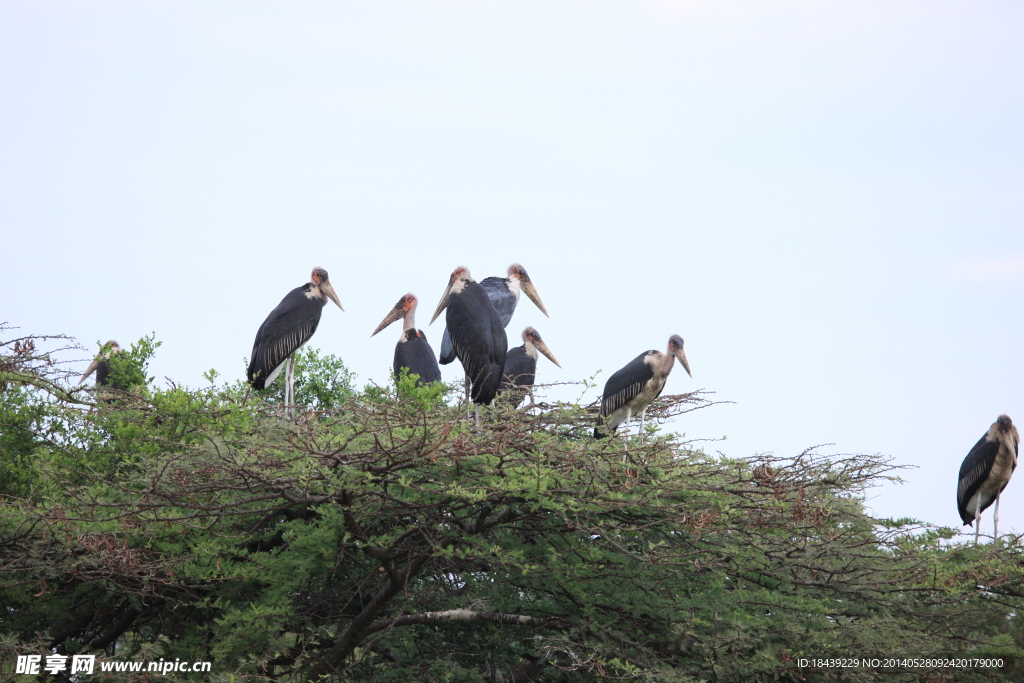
(381, 536)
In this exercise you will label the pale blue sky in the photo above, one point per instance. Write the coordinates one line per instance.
(825, 199)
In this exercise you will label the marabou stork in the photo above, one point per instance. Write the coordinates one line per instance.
(986, 471)
(412, 350)
(521, 366)
(504, 295)
(101, 364)
(630, 390)
(477, 334)
(286, 330)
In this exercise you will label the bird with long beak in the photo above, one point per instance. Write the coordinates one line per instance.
(631, 390)
(286, 330)
(521, 367)
(985, 472)
(412, 350)
(101, 365)
(477, 334)
(504, 295)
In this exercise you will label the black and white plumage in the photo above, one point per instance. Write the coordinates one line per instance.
(630, 390)
(477, 334)
(521, 366)
(504, 295)
(287, 329)
(986, 471)
(101, 365)
(412, 350)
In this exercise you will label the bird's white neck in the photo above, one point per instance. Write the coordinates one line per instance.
(667, 361)
(514, 286)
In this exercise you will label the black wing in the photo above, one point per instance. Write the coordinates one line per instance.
(520, 370)
(973, 472)
(447, 350)
(502, 298)
(288, 327)
(497, 358)
(416, 354)
(504, 302)
(626, 384)
(102, 373)
(479, 341)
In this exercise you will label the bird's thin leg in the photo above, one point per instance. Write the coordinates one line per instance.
(625, 432)
(995, 519)
(643, 416)
(625, 436)
(476, 415)
(289, 386)
(977, 519)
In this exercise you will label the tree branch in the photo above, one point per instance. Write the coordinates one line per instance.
(462, 615)
(357, 629)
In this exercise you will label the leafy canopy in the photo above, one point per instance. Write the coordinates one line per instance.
(380, 536)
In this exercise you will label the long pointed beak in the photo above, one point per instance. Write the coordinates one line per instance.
(395, 314)
(681, 355)
(531, 291)
(444, 301)
(328, 289)
(543, 348)
(91, 369)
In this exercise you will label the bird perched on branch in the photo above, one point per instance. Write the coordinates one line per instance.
(631, 390)
(477, 334)
(503, 293)
(101, 365)
(985, 472)
(521, 366)
(412, 350)
(286, 330)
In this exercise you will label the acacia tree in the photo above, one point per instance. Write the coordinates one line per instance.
(383, 537)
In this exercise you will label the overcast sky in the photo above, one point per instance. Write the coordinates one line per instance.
(825, 199)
